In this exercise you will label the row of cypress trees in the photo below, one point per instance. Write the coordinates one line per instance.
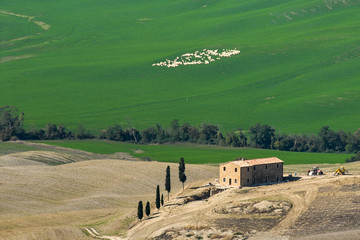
(158, 200)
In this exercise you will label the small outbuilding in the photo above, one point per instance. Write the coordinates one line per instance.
(250, 172)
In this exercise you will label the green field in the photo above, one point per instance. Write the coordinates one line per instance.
(298, 69)
(198, 154)
(7, 148)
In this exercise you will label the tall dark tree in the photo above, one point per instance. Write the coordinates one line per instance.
(175, 130)
(158, 197)
(162, 199)
(61, 134)
(242, 139)
(134, 134)
(262, 135)
(51, 131)
(313, 143)
(184, 132)
(182, 176)
(116, 133)
(232, 139)
(283, 142)
(332, 141)
(209, 134)
(11, 122)
(341, 141)
(147, 208)
(161, 135)
(194, 134)
(148, 135)
(140, 210)
(35, 134)
(168, 181)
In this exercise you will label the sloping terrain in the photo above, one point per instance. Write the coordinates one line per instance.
(297, 69)
(40, 200)
(56, 202)
(320, 207)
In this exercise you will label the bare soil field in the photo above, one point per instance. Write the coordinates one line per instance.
(57, 193)
(335, 209)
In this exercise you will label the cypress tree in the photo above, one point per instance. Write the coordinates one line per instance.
(158, 197)
(147, 208)
(140, 210)
(167, 181)
(182, 175)
(162, 199)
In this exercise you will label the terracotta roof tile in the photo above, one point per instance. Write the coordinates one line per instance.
(252, 162)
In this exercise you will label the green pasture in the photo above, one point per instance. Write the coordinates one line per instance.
(198, 154)
(9, 147)
(298, 69)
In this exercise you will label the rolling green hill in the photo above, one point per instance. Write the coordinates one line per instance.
(90, 62)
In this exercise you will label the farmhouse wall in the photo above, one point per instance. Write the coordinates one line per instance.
(266, 173)
(247, 176)
(242, 173)
(229, 175)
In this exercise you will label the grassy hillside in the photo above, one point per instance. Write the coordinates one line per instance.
(198, 154)
(297, 70)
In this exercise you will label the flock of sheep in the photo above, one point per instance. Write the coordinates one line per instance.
(205, 56)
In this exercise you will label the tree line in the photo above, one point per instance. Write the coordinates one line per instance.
(257, 136)
(12, 128)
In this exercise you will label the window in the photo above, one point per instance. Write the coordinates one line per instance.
(235, 169)
(248, 169)
(224, 179)
(277, 165)
(265, 166)
(235, 180)
(254, 168)
(248, 180)
(224, 168)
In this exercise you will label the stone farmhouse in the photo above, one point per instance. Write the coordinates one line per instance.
(250, 172)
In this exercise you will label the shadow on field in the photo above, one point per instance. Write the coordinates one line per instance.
(172, 204)
(291, 178)
(152, 217)
(205, 186)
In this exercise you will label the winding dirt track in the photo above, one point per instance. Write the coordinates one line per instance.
(95, 234)
(300, 205)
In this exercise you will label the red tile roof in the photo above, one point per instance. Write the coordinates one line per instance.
(252, 162)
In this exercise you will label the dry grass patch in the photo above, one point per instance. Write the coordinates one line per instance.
(13, 58)
(99, 193)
